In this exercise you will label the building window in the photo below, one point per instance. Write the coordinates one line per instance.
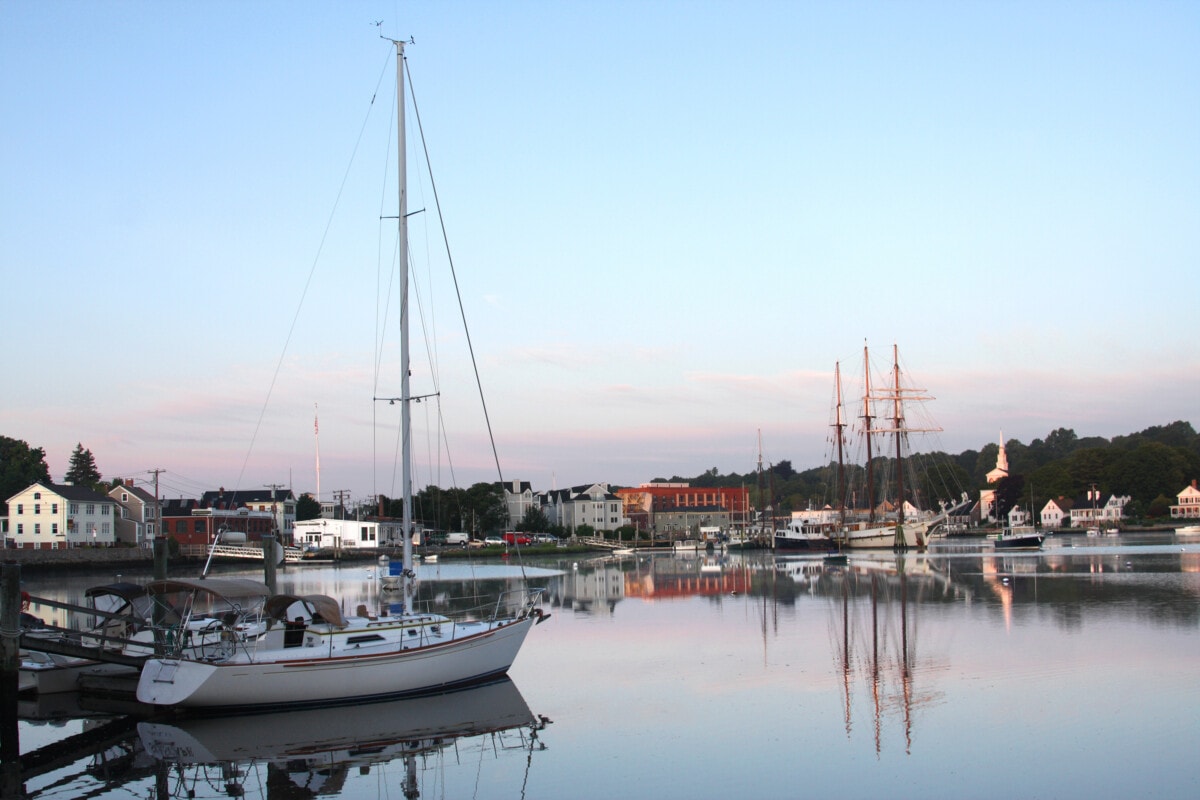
(20, 508)
(37, 508)
(37, 529)
(198, 526)
(37, 495)
(54, 508)
(74, 509)
(20, 528)
(54, 528)
(91, 509)
(124, 497)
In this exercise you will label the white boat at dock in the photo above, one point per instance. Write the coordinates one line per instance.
(310, 653)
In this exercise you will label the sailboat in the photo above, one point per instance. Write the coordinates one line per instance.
(313, 654)
(898, 530)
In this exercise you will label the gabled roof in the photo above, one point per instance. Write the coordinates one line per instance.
(136, 491)
(80, 494)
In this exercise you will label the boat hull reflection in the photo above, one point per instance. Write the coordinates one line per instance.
(357, 734)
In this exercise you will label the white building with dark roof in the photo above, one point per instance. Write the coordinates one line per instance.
(50, 516)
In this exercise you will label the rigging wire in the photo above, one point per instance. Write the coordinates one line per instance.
(454, 276)
(308, 281)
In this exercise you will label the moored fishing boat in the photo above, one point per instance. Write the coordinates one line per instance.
(803, 535)
(1018, 537)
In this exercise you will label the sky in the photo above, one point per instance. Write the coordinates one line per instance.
(668, 222)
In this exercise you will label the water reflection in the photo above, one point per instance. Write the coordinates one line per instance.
(753, 675)
(306, 753)
(873, 628)
(378, 749)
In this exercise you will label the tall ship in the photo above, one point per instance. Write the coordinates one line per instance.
(874, 511)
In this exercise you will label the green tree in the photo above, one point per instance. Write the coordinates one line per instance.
(307, 507)
(1060, 443)
(82, 468)
(1160, 506)
(1144, 472)
(534, 521)
(1008, 494)
(487, 506)
(20, 465)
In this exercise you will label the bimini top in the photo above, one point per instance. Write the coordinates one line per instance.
(228, 588)
(319, 604)
(125, 590)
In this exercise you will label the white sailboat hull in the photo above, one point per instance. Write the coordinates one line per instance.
(304, 676)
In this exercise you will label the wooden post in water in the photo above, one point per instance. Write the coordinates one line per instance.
(10, 660)
(161, 551)
(268, 543)
(10, 617)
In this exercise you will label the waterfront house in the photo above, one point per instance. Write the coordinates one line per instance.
(593, 505)
(519, 498)
(137, 514)
(1093, 510)
(1187, 503)
(1055, 512)
(50, 516)
(1018, 516)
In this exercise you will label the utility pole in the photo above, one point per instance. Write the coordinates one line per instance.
(275, 512)
(340, 496)
(157, 503)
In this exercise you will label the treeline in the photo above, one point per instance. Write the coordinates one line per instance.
(1151, 467)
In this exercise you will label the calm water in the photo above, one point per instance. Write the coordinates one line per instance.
(1074, 672)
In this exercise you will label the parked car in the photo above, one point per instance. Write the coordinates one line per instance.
(493, 540)
(545, 538)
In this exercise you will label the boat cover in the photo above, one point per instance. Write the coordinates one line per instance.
(277, 606)
(128, 591)
(228, 588)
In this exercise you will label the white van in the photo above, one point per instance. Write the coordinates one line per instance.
(458, 539)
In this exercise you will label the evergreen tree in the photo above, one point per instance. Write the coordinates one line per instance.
(82, 469)
(307, 507)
